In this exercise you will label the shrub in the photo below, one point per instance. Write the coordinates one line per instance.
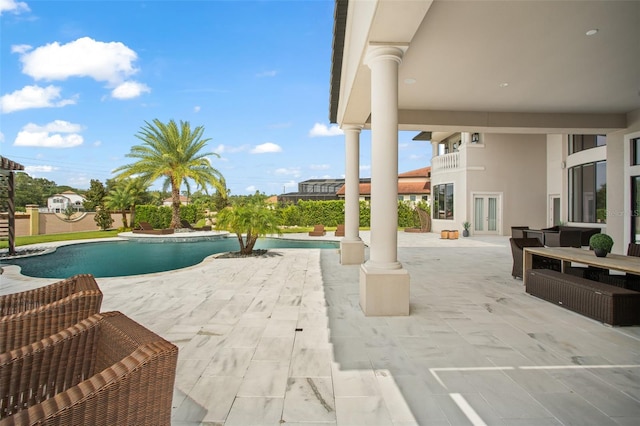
(601, 242)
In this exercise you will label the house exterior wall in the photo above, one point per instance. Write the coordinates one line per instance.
(515, 166)
(619, 171)
(52, 223)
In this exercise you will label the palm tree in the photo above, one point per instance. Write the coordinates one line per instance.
(137, 187)
(120, 199)
(173, 152)
(251, 217)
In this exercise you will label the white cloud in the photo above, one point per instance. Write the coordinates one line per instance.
(266, 148)
(13, 6)
(270, 73)
(250, 188)
(97, 143)
(290, 184)
(33, 97)
(320, 167)
(80, 181)
(220, 149)
(111, 62)
(196, 108)
(292, 171)
(403, 145)
(365, 167)
(39, 169)
(129, 90)
(416, 156)
(57, 134)
(1, 137)
(20, 48)
(320, 130)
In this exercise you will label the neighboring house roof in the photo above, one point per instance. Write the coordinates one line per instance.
(273, 199)
(403, 188)
(423, 172)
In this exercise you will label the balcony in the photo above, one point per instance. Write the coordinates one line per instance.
(444, 162)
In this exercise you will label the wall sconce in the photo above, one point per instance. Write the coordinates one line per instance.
(475, 137)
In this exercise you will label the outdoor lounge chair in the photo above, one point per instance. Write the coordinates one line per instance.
(517, 249)
(32, 315)
(186, 224)
(146, 228)
(318, 231)
(340, 230)
(105, 370)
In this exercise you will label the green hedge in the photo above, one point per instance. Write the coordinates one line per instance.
(331, 213)
(160, 216)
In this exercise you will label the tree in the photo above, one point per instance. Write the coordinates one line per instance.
(30, 190)
(252, 217)
(94, 195)
(68, 212)
(120, 199)
(175, 153)
(103, 218)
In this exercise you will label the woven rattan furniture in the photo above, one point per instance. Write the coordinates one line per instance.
(29, 316)
(517, 246)
(318, 231)
(603, 302)
(105, 370)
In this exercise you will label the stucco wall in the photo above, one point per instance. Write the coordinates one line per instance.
(619, 173)
(515, 166)
(50, 223)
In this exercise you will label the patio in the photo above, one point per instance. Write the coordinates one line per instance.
(282, 339)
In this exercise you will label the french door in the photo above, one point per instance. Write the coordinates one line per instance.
(487, 213)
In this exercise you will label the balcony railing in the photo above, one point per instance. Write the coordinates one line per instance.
(445, 161)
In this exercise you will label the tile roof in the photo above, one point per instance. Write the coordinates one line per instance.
(403, 188)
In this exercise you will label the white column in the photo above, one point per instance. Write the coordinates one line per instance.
(384, 284)
(351, 246)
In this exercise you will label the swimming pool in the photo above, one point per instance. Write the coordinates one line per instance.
(122, 258)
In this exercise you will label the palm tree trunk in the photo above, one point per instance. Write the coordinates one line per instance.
(175, 196)
(124, 218)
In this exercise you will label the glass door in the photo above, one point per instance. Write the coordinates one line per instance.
(486, 214)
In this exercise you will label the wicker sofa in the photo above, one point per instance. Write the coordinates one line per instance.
(105, 370)
(29, 316)
(585, 233)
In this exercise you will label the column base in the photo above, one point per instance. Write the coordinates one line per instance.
(384, 292)
(351, 252)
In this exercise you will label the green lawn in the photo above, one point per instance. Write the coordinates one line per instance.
(37, 239)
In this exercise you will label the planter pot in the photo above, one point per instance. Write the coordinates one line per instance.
(444, 234)
(465, 233)
(600, 252)
(453, 235)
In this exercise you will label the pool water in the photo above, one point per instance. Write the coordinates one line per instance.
(122, 258)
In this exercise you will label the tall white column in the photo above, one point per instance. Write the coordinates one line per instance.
(384, 284)
(351, 246)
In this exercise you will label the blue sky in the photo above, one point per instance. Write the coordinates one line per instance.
(78, 80)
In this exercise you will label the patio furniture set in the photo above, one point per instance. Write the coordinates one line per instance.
(62, 362)
(556, 266)
(319, 231)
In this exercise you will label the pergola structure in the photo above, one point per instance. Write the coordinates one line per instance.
(7, 192)
(520, 67)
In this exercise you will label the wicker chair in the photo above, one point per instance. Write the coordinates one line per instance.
(105, 370)
(628, 281)
(517, 248)
(30, 316)
(518, 231)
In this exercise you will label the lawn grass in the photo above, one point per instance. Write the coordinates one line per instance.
(37, 239)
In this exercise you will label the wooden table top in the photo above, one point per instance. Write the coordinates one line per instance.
(616, 262)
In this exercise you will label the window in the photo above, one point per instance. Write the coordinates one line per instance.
(635, 152)
(579, 143)
(635, 209)
(443, 201)
(412, 197)
(588, 193)
(400, 197)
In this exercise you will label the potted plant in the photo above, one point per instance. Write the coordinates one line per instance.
(466, 225)
(601, 244)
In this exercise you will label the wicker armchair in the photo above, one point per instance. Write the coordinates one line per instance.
(105, 370)
(30, 316)
(517, 249)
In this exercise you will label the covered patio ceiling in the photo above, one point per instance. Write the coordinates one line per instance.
(528, 66)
